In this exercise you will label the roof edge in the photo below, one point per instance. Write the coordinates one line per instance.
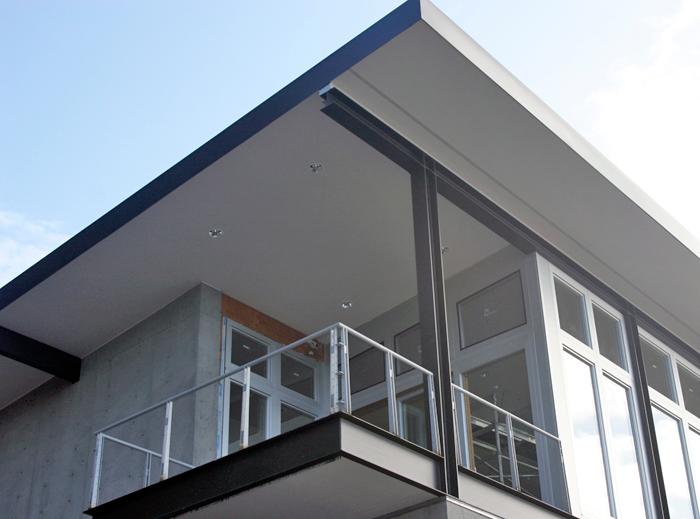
(474, 52)
(371, 39)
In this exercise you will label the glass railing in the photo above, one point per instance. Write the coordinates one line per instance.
(505, 448)
(230, 412)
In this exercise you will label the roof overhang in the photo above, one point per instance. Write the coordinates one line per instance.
(424, 77)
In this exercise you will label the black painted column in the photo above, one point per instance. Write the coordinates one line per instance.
(431, 309)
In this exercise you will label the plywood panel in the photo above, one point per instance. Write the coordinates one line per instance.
(266, 325)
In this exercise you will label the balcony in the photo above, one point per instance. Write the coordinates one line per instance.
(195, 452)
(501, 447)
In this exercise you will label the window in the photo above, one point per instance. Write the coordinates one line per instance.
(674, 385)
(603, 435)
(284, 389)
(492, 311)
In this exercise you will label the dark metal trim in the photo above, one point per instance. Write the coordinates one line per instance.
(290, 96)
(513, 492)
(38, 355)
(651, 446)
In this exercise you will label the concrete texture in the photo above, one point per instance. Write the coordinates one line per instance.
(46, 437)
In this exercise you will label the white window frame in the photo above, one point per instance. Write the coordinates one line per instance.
(559, 342)
(269, 387)
(676, 409)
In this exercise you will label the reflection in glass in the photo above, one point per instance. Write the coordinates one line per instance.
(257, 423)
(366, 366)
(297, 376)
(628, 489)
(407, 344)
(672, 465)
(245, 349)
(528, 466)
(413, 419)
(503, 382)
(292, 418)
(607, 333)
(694, 448)
(588, 453)
(656, 367)
(690, 386)
(493, 310)
(570, 308)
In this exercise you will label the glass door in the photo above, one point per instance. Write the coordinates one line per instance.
(284, 388)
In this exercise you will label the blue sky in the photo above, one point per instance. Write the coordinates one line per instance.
(97, 98)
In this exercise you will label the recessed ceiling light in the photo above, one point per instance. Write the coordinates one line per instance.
(346, 304)
(216, 233)
(316, 168)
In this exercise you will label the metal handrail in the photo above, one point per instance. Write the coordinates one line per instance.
(221, 377)
(385, 349)
(501, 410)
(144, 450)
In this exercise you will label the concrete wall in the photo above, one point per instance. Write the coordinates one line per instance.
(46, 437)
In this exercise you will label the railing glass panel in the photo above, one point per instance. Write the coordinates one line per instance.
(506, 448)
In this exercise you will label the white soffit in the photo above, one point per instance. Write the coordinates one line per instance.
(449, 97)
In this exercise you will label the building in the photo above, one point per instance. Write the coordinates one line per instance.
(400, 287)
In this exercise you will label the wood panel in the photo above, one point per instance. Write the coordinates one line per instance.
(266, 325)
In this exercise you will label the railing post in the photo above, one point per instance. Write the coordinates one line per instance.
(147, 470)
(499, 451)
(335, 399)
(165, 458)
(345, 363)
(432, 409)
(97, 471)
(391, 393)
(514, 475)
(245, 410)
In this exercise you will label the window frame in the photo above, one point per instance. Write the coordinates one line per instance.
(561, 342)
(676, 409)
(269, 387)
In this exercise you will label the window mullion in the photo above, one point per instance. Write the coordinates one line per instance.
(643, 410)
(605, 433)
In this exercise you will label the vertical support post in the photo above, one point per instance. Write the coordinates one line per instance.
(433, 314)
(514, 475)
(499, 451)
(335, 399)
(345, 363)
(245, 410)
(147, 470)
(165, 459)
(97, 470)
(391, 393)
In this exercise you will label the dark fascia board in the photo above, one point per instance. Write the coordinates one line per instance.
(256, 120)
(39, 355)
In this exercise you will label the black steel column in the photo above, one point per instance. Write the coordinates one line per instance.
(646, 421)
(431, 309)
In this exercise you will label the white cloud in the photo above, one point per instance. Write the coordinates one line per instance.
(648, 123)
(23, 242)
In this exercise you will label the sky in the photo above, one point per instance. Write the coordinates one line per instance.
(97, 98)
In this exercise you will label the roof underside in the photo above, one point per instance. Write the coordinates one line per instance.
(437, 88)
